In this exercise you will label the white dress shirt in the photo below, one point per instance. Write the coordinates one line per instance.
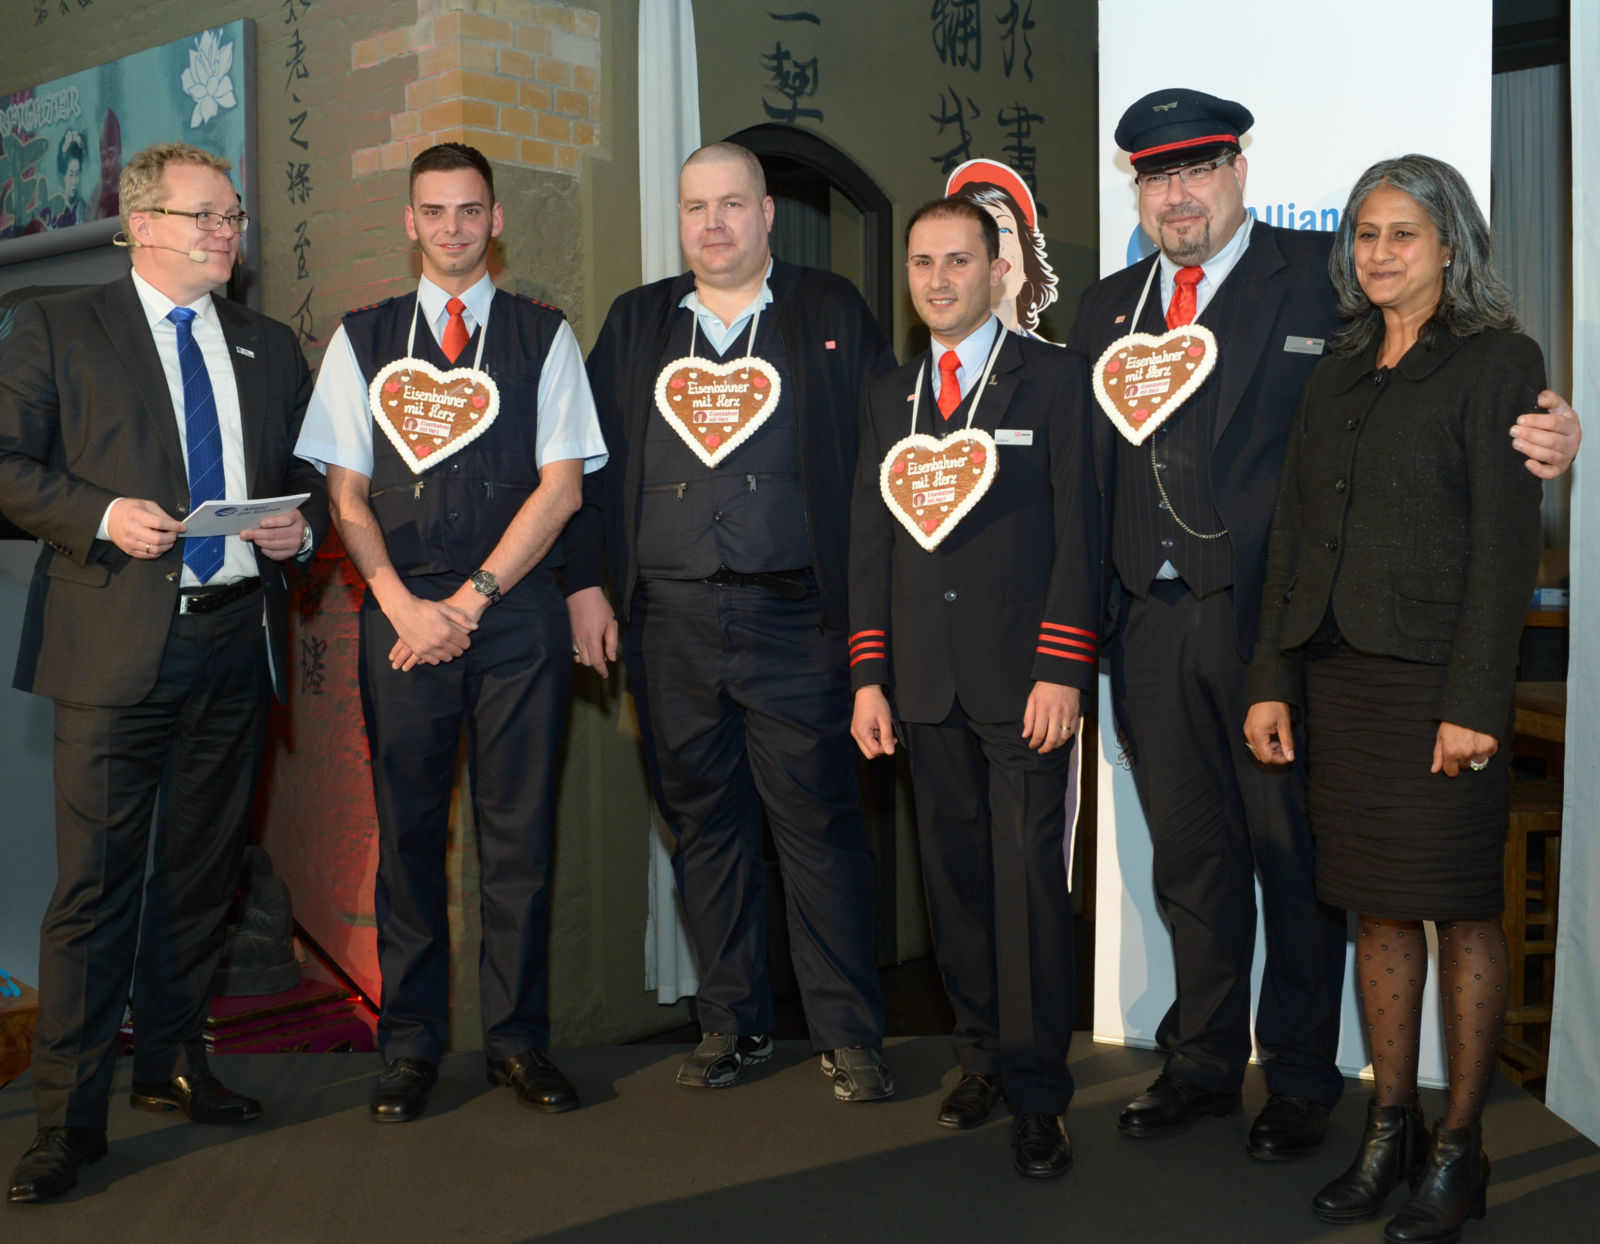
(239, 556)
(338, 425)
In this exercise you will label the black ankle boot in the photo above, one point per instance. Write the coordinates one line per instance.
(1391, 1151)
(1455, 1177)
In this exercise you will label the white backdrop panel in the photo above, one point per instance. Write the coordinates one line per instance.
(1328, 101)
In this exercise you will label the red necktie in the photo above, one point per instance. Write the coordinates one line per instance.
(949, 386)
(455, 332)
(1181, 311)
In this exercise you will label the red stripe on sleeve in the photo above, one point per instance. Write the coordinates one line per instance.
(1074, 643)
(1070, 630)
(1069, 656)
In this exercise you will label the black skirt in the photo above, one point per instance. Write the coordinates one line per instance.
(1394, 840)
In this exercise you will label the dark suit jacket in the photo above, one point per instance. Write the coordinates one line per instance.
(1402, 505)
(1286, 296)
(85, 418)
(835, 349)
(1011, 596)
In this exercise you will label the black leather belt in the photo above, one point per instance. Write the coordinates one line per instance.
(791, 584)
(207, 599)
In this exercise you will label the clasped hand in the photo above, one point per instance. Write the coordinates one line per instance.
(432, 632)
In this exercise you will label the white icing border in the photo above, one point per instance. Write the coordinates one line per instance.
(397, 438)
(1173, 400)
(930, 540)
(713, 456)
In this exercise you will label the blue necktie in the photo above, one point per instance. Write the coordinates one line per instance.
(202, 554)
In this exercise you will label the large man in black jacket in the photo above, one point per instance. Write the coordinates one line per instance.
(729, 399)
(1188, 511)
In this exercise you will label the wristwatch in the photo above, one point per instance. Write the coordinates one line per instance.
(485, 584)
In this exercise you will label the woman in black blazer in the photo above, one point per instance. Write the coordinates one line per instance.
(1403, 552)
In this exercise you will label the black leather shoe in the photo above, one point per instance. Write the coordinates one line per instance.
(1455, 1176)
(971, 1101)
(1391, 1152)
(538, 1081)
(1169, 1105)
(203, 1097)
(402, 1090)
(50, 1166)
(1040, 1147)
(1287, 1127)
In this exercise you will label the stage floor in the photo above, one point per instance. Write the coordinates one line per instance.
(775, 1159)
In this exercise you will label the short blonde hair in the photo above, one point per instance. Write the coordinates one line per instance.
(731, 153)
(141, 176)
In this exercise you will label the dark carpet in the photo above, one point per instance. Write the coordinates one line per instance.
(775, 1159)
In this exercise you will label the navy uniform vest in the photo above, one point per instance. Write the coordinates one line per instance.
(449, 518)
(747, 513)
(1144, 532)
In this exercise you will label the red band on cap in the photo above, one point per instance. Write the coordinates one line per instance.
(1203, 141)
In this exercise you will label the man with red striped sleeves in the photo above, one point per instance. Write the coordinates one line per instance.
(974, 603)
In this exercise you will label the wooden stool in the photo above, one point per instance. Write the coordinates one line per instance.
(1530, 924)
(17, 1019)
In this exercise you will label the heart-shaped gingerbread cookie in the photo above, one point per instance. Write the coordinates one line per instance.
(931, 485)
(716, 407)
(1140, 380)
(428, 414)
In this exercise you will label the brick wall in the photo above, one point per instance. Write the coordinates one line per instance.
(517, 79)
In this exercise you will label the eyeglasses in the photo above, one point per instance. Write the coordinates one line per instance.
(207, 222)
(1194, 175)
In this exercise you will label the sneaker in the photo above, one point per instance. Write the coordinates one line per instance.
(718, 1059)
(858, 1074)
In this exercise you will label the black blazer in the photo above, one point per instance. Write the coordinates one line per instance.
(1287, 301)
(1403, 506)
(835, 350)
(1012, 595)
(85, 418)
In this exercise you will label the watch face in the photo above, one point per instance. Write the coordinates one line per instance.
(486, 584)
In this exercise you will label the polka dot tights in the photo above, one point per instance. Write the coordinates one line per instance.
(1392, 967)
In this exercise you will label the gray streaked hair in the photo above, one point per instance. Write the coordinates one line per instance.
(1474, 297)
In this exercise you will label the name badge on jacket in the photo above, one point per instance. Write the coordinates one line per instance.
(1013, 436)
(1302, 345)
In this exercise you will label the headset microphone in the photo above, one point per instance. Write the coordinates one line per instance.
(121, 240)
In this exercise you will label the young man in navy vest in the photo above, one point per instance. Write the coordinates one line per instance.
(730, 576)
(986, 642)
(451, 481)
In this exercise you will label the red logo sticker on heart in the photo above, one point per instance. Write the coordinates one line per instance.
(1140, 379)
(716, 407)
(931, 485)
(428, 414)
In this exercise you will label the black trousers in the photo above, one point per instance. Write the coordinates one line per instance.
(991, 823)
(510, 691)
(188, 754)
(1218, 820)
(744, 703)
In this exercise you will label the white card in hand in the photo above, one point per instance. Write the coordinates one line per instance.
(229, 518)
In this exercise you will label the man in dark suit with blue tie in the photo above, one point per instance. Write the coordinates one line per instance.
(123, 408)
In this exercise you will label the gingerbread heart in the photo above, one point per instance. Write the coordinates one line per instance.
(716, 407)
(1140, 380)
(428, 414)
(931, 485)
